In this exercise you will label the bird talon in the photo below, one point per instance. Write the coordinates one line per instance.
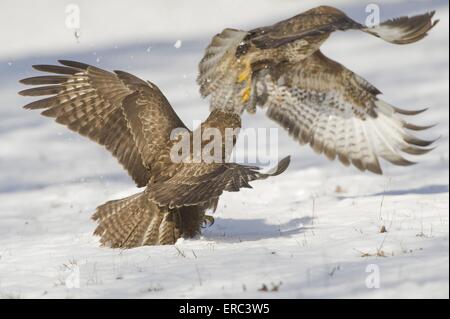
(208, 221)
(245, 94)
(251, 109)
(244, 75)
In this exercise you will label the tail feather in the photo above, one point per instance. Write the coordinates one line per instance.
(135, 221)
(404, 30)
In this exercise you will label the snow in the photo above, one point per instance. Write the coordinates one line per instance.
(178, 44)
(314, 231)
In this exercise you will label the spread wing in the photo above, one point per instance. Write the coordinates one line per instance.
(109, 108)
(324, 20)
(151, 120)
(338, 113)
(200, 184)
(314, 22)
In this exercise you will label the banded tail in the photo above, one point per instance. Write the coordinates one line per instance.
(136, 221)
(404, 30)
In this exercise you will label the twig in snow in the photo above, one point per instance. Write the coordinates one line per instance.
(198, 275)
(180, 252)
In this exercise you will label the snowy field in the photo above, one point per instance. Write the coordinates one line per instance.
(313, 232)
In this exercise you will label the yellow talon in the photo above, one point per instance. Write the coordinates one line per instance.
(208, 220)
(246, 72)
(245, 75)
(246, 94)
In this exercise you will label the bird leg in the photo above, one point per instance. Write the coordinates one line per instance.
(245, 75)
(208, 220)
(250, 106)
(251, 109)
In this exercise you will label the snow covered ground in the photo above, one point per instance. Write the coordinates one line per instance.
(313, 232)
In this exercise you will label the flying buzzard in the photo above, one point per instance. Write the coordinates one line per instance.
(134, 121)
(319, 101)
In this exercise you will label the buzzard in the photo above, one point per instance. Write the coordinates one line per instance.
(134, 121)
(319, 101)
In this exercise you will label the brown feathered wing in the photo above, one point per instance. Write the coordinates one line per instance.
(324, 20)
(199, 185)
(127, 115)
(323, 104)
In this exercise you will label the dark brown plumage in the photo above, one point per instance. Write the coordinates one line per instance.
(134, 121)
(317, 100)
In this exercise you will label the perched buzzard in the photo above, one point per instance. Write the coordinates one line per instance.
(134, 121)
(317, 100)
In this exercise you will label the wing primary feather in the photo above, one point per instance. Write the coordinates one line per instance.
(46, 79)
(75, 64)
(407, 112)
(43, 90)
(414, 127)
(56, 69)
(418, 142)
